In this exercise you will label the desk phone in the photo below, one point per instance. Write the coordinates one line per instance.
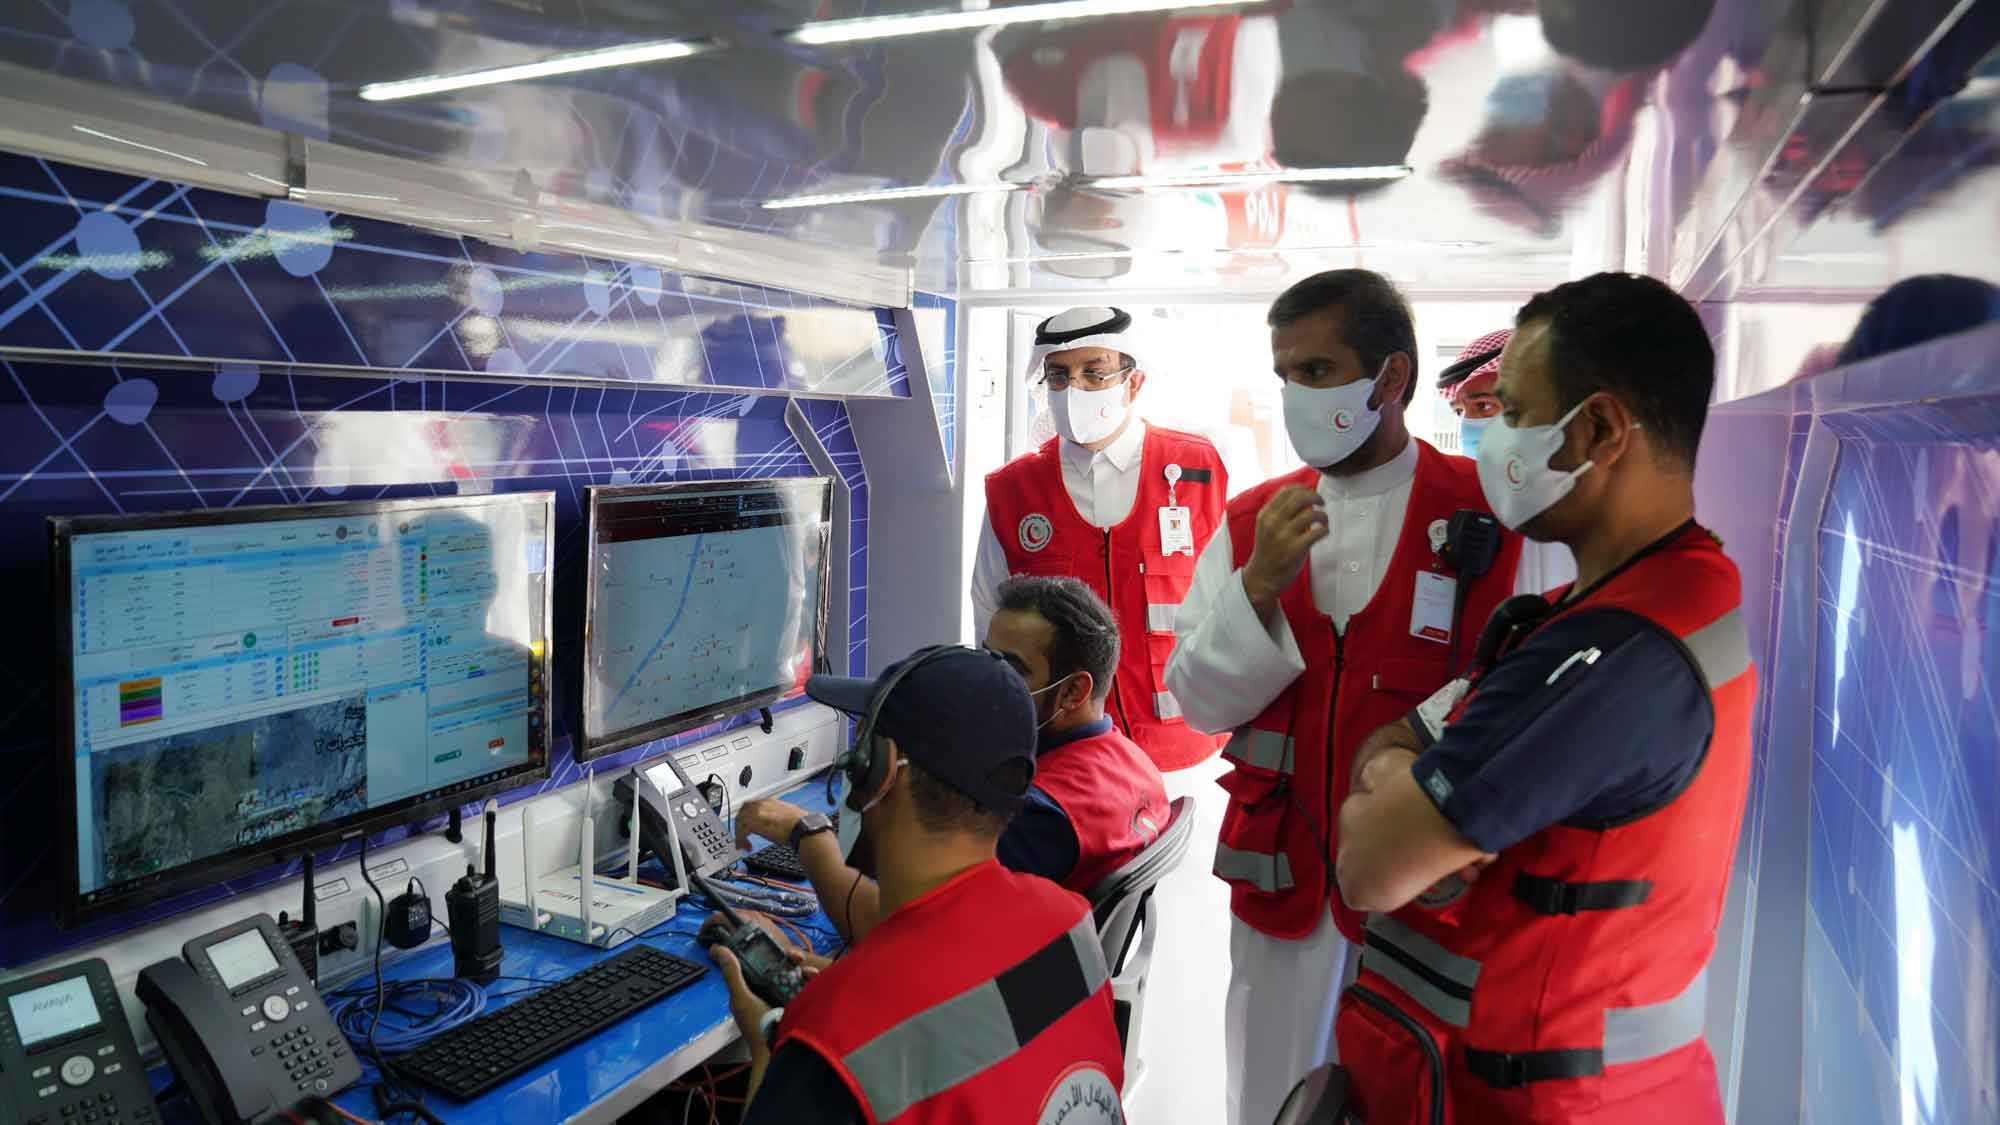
(242, 1025)
(66, 1052)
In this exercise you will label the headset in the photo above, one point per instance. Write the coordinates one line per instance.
(867, 762)
(1510, 624)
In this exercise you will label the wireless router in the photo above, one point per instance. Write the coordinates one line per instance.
(575, 902)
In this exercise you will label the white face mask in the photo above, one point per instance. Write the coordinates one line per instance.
(1514, 469)
(1327, 424)
(1085, 417)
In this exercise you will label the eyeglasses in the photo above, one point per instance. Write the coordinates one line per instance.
(1090, 378)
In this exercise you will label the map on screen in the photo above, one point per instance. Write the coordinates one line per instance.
(702, 599)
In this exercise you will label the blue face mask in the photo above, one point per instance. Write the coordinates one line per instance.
(1469, 430)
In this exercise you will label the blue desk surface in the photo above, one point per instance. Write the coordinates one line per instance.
(573, 1082)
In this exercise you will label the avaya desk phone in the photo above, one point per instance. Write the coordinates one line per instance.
(705, 844)
(66, 1052)
(243, 1027)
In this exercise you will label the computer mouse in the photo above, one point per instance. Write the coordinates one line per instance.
(715, 930)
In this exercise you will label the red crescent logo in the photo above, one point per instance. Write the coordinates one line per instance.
(1035, 531)
(1343, 420)
(1514, 471)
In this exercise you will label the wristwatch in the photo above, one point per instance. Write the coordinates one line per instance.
(767, 1027)
(811, 824)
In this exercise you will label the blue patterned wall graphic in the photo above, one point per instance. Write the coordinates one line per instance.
(103, 263)
(111, 438)
(1906, 758)
(937, 331)
(830, 424)
(1880, 724)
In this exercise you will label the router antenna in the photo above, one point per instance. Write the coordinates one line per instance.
(586, 859)
(307, 917)
(492, 815)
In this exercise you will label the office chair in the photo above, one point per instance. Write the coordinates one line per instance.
(1320, 1098)
(1123, 906)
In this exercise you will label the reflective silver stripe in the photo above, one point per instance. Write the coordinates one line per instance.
(1267, 873)
(1399, 966)
(1161, 618)
(1634, 1034)
(1165, 706)
(1261, 748)
(933, 1051)
(1721, 648)
(944, 1045)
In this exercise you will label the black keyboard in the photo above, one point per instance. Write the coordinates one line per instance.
(472, 1058)
(777, 861)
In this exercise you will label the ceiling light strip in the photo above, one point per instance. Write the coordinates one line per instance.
(631, 54)
(870, 28)
(1359, 173)
(886, 195)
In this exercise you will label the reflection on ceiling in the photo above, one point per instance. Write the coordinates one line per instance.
(1465, 146)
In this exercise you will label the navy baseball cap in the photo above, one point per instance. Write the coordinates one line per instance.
(960, 713)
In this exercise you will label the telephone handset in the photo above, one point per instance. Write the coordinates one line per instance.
(242, 1025)
(66, 1052)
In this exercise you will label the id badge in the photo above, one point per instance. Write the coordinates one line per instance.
(1176, 531)
(1430, 610)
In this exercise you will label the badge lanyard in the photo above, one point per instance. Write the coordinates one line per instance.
(1176, 528)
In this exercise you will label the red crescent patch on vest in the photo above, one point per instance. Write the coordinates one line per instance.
(1035, 531)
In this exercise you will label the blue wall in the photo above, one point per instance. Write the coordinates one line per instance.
(117, 259)
(1872, 844)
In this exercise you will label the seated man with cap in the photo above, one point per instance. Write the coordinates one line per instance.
(1123, 506)
(981, 995)
(1097, 800)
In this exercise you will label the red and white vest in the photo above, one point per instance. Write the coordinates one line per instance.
(984, 999)
(1293, 760)
(1038, 526)
(1568, 984)
(1113, 796)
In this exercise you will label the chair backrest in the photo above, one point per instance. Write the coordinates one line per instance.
(1117, 897)
(1319, 1098)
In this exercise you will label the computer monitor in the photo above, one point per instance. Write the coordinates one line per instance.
(247, 683)
(704, 600)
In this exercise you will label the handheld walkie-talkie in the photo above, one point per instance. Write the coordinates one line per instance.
(472, 908)
(303, 934)
(1471, 544)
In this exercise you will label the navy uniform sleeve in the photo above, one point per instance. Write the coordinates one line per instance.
(1040, 840)
(801, 1089)
(1600, 717)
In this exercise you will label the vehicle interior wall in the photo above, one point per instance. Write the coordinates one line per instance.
(290, 305)
(334, 388)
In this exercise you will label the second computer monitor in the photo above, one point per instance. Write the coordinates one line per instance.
(704, 600)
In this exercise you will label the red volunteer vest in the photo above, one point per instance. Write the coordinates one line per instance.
(1113, 797)
(1039, 528)
(1293, 760)
(985, 999)
(1569, 983)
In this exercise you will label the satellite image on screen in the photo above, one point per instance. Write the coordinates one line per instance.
(179, 799)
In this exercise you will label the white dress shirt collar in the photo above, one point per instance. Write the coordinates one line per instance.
(1123, 452)
(1397, 471)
